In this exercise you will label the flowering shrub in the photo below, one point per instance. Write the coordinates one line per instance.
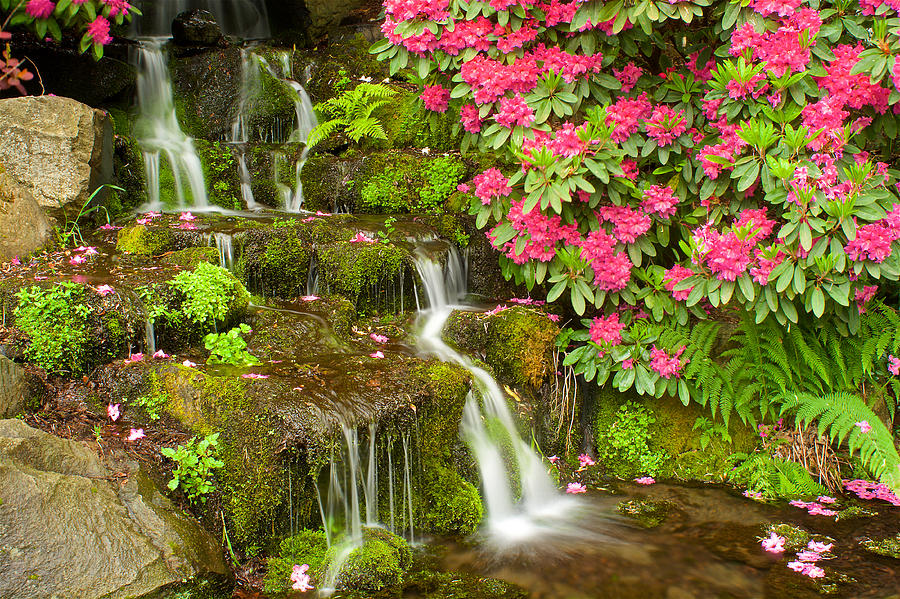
(666, 158)
(91, 18)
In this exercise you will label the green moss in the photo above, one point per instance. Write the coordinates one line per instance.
(190, 257)
(648, 514)
(221, 174)
(518, 342)
(144, 240)
(395, 182)
(450, 504)
(252, 480)
(306, 547)
(889, 546)
(668, 433)
(409, 125)
(855, 511)
(379, 564)
(363, 271)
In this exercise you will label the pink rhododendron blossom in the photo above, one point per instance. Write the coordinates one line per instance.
(782, 8)
(665, 125)
(470, 118)
(491, 184)
(864, 296)
(378, 338)
(40, 9)
(105, 290)
(675, 275)
(628, 224)
(113, 411)
(774, 544)
(894, 365)
(625, 116)
(864, 426)
(436, 98)
(664, 364)
(584, 460)
(117, 7)
(310, 298)
(660, 200)
(628, 76)
(76, 260)
(575, 488)
(161, 355)
(133, 358)
(135, 434)
(300, 579)
(869, 490)
(378, 354)
(98, 31)
(808, 556)
(607, 330)
(189, 364)
(514, 112)
(361, 237)
(645, 480)
(819, 547)
(254, 375)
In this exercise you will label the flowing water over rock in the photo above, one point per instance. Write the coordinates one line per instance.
(247, 19)
(160, 135)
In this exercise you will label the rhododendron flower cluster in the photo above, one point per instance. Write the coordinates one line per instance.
(436, 98)
(664, 364)
(607, 330)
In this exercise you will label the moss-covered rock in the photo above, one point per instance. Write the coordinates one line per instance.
(889, 546)
(306, 547)
(409, 125)
(190, 257)
(145, 240)
(451, 504)
(221, 174)
(329, 182)
(670, 443)
(517, 343)
(206, 86)
(128, 172)
(648, 514)
(366, 274)
(380, 563)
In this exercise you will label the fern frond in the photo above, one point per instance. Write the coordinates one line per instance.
(837, 414)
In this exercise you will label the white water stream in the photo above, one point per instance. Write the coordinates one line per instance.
(516, 513)
(159, 133)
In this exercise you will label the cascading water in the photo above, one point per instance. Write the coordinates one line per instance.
(225, 244)
(159, 133)
(306, 122)
(351, 500)
(239, 135)
(516, 512)
(247, 19)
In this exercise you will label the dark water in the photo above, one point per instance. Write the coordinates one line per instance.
(708, 545)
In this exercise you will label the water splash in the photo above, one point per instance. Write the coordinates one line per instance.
(225, 244)
(159, 133)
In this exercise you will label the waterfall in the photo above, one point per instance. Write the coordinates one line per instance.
(160, 134)
(225, 244)
(247, 19)
(305, 122)
(515, 512)
(149, 338)
(240, 135)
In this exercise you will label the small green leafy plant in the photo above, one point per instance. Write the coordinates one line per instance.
(352, 113)
(208, 291)
(230, 347)
(626, 440)
(773, 477)
(152, 404)
(55, 320)
(194, 465)
(385, 236)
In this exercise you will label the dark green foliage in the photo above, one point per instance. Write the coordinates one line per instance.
(623, 445)
(56, 321)
(397, 182)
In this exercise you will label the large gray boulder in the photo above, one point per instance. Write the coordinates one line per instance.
(13, 387)
(59, 149)
(23, 225)
(70, 529)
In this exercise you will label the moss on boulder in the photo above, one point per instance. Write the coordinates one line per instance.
(190, 257)
(306, 547)
(379, 564)
(144, 240)
(451, 504)
(518, 343)
(365, 272)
